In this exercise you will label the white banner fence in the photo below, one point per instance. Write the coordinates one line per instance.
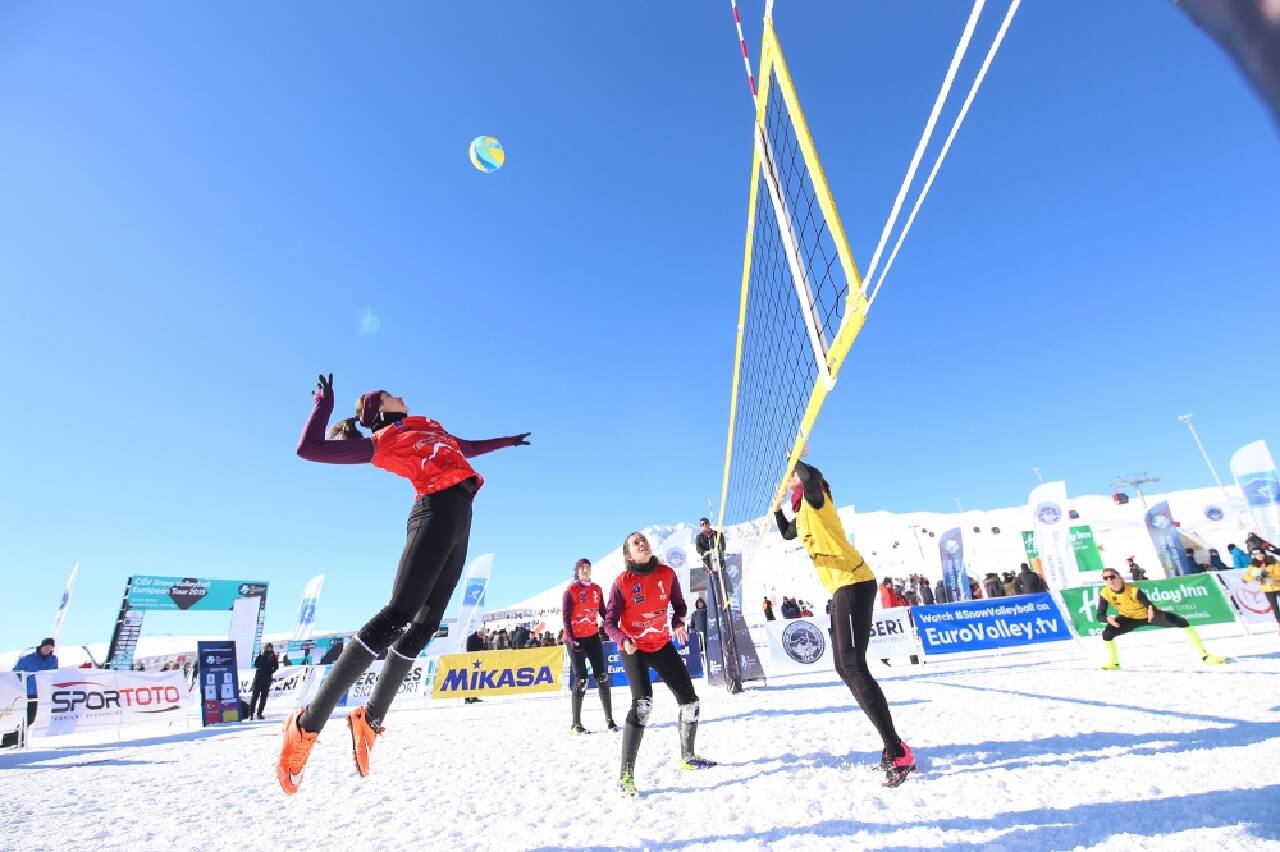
(76, 700)
(804, 644)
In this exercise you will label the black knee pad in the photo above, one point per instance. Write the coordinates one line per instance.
(640, 710)
(383, 629)
(580, 687)
(689, 712)
(413, 640)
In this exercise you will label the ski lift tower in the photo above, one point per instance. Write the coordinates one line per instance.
(1136, 482)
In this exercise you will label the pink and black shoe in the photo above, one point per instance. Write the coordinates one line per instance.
(898, 768)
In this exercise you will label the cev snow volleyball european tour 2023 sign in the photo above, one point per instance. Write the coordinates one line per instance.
(487, 154)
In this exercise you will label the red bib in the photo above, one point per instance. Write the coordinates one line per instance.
(419, 449)
(647, 597)
(584, 615)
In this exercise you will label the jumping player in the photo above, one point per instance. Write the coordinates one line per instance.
(636, 618)
(1134, 610)
(583, 606)
(435, 462)
(852, 586)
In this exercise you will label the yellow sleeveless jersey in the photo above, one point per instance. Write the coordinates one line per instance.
(837, 562)
(1126, 601)
(1268, 575)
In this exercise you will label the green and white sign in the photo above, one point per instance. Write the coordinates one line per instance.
(1083, 544)
(1197, 597)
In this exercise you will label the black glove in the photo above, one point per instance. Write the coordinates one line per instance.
(324, 388)
(522, 440)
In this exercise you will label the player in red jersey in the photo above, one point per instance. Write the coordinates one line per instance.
(636, 618)
(420, 450)
(583, 606)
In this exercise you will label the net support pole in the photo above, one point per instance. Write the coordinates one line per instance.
(804, 293)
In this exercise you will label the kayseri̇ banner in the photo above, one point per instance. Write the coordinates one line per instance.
(484, 673)
(1251, 602)
(73, 700)
(1196, 597)
(287, 684)
(989, 624)
(804, 644)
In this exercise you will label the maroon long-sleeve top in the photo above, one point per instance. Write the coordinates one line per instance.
(313, 446)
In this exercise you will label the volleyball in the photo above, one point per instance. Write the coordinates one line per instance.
(487, 154)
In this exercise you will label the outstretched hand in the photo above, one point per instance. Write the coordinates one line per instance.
(521, 440)
(324, 387)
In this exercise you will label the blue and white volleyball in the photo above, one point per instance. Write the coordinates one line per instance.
(487, 154)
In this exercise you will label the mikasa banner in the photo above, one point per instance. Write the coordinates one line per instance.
(74, 700)
(1053, 534)
(804, 644)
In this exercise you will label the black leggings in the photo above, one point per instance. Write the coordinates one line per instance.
(435, 552)
(851, 610)
(258, 698)
(1162, 619)
(589, 649)
(670, 668)
(1273, 598)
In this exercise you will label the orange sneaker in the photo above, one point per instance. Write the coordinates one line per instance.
(294, 752)
(363, 736)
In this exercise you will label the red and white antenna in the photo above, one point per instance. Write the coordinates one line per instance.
(742, 44)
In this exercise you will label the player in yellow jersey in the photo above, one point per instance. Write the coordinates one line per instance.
(1134, 610)
(1264, 569)
(852, 586)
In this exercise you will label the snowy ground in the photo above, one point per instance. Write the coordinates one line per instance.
(1030, 751)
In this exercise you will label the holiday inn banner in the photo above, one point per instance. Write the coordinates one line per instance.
(1195, 597)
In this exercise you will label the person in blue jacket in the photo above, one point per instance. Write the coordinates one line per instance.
(40, 660)
(1239, 558)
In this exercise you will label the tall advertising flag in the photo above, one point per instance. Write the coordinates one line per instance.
(307, 610)
(475, 582)
(66, 601)
(954, 575)
(1053, 534)
(1168, 541)
(1255, 472)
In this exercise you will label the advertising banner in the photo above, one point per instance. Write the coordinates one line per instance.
(1052, 534)
(804, 644)
(1196, 597)
(954, 574)
(1083, 545)
(690, 654)
(73, 700)
(414, 683)
(1255, 472)
(475, 582)
(730, 651)
(307, 609)
(216, 672)
(1168, 541)
(13, 701)
(989, 624)
(486, 673)
(1252, 603)
(190, 593)
(287, 684)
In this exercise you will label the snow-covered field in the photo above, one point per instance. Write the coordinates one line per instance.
(1035, 750)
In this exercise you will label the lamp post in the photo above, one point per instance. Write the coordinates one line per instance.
(1186, 418)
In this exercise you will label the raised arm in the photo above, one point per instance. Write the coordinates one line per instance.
(812, 485)
(787, 528)
(312, 446)
(471, 449)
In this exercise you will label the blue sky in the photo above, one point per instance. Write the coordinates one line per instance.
(204, 207)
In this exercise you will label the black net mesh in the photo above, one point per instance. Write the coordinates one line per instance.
(778, 372)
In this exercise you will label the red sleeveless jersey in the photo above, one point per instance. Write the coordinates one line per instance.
(647, 598)
(586, 606)
(419, 449)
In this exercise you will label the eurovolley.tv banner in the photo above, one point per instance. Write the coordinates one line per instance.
(1168, 541)
(1255, 472)
(989, 624)
(1195, 597)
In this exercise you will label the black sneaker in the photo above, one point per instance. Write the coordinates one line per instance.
(611, 727)
(578, 729)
